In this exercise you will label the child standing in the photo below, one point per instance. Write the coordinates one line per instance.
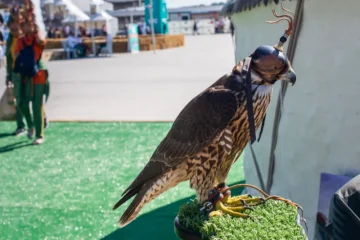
(34, 77)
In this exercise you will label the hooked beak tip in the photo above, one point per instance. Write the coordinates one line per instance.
(293, 82)
(290, 77)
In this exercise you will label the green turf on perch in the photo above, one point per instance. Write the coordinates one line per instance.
(272, 221)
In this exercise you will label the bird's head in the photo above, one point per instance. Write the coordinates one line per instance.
(269, 63)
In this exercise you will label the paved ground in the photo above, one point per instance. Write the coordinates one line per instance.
(144, 86)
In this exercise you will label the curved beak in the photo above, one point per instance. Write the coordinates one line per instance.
(289, 76)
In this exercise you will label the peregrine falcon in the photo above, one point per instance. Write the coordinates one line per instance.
(212, 130)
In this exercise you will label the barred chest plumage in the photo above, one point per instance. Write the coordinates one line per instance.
(239, 126)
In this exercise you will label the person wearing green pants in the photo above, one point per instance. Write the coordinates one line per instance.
(34, 86)
(14, 78)
(34, 90)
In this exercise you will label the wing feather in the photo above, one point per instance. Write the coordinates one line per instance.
(203, 119)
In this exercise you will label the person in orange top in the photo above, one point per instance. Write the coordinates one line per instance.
(34, 86)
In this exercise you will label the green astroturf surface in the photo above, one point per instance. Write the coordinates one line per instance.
(273, 220)
(65, 188)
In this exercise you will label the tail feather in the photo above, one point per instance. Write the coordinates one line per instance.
(129, 194)
(134, 208)
(147, 192)
(153, 169)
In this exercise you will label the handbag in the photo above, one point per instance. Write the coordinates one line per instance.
(7, 105)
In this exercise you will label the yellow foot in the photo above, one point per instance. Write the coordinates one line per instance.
(215, 213)
(221, 201)
(232, 211)
(243, 200)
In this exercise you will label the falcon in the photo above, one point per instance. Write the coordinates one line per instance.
(212, 130)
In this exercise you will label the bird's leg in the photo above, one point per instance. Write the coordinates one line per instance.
(242, 200)
(221, 201)
(217, 199)
(232, 211)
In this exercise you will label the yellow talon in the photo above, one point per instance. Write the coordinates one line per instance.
(220, 196)
(231, 210)
(235, 200)
(215, 213)
(243, 200)
(238, 209)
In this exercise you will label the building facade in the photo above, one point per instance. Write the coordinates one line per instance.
(194, 13)
(136, 14)
(123, 4)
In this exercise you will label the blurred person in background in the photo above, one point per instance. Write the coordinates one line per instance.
(232, 29)
(72, 41)
(78, 44)
(50, 33)
(104, 44)
(195, 28)
(88, 31)
(33, 74)
(6, 16)
(66, 30)
(82, 31)
(1, 19)
(2, 48)
(12, 78)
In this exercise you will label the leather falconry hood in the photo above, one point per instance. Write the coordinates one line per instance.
(271, 59)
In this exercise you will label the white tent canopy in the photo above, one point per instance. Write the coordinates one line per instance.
(73, 19)
(97, 2)
(59, 3)
(110, 21)
(78, 15)
(102, 16)
(45, 2)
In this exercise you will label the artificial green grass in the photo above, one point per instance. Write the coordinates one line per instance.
(66, 188)
(273, 221)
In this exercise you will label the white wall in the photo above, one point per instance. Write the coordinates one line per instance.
(320, 128)
(251, 31)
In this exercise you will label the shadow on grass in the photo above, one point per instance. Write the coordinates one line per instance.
(157, 224)
(14, 146)
(4, 135)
